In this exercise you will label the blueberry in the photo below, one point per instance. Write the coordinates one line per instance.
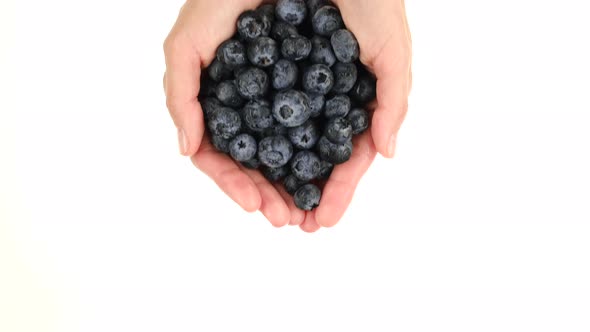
(305, 165)
(224, 122)
(316, 104)
(321, 51)
(232, 53)
(257, 115)
(345, 46)
(296, 48)
(318, 79)
(338, 130)
(307, 197)
(365, 89)
(253, 163)
(304, 136)
(275, 151)
(326, 21)
(210, 105)
(252, 24)
(275, 174)
(292, 183)
(359, 119)
(326, 169)
(292, 11)
(334, 153)
(283, 30)
(218, 71)
(220, 143)
(243, 147)
(314, 5)
(345, 75)
(267, 12)
(263, 52)
(338, 106)
(227, 93)
(284, 75)
(252, 83)
(291, 108)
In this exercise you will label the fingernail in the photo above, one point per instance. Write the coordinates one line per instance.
(391, 146)
(182, 142)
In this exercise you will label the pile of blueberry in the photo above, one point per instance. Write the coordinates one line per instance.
(287, 93)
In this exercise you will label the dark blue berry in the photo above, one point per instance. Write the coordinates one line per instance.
(296, 48)
(326, 21)
(334, 153)
(220, 143)
(359, 119)
(252, 24)
(252, 83)
(210, 105)
(275, 151)
(283, 30)
(292, 183)
(243, 147)
(338, 106)
(318, 79)
(305, 136)
(292, 11)
(307, 197)
(284, 75)
(232, 53)
(227, 93)
(314, 5)
(321, 51)
(257, 115)
(224, 122)
(218, 71)
(263, 52)
(316, 104)
(326, 169)
(338, 130)
(346, 48)
(291, 108)
(267, 11)
(305, 165)
(345, 75)
(365, 89)
(275, 174)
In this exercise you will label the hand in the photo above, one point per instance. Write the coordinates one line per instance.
(201, 26)
(382, 31)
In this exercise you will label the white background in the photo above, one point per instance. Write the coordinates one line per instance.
(481, 223)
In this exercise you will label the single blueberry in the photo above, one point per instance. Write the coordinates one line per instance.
(257, 115)
(252, 83)
(314, 5)
(345, 45)
(316, 104)
(224, 122)
(275, 151)
(321, 51)
(291, 108)
(218, 71)
(345, 75)
(227, 93)
(284, 75)
(365, 89)
(359, 119)
(283, 30)
(275, 174)
(296, 48)
(220, 143)
(326, 21)
(305, 165)
(334, 153)
(292, 183)
(307, 197)
(243, 147)
(326, 169)
(338, 106)
(232, 53)
(338, 130)
(318, 79)
(292, 11)
(305, 136)
(263, 52)
(210, 105)
(252, 24)
(267, 11)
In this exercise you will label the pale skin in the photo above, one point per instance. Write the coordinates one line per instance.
(383, 34)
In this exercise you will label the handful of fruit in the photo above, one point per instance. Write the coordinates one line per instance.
(287, 94)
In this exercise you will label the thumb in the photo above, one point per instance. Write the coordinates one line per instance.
(392, 69)
(181, 84)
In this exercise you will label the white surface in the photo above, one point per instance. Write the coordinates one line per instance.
(484, 227)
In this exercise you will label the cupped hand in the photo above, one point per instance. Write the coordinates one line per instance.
(382, 31)
(191, 45)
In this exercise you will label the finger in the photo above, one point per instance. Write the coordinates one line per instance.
(272, 206)
(392, 69)
(310, 225)
(342, 183)
(226, 174)
(297, 215)
(182, 88)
